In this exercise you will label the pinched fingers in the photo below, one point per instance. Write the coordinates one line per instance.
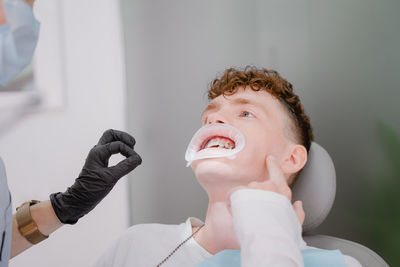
(115, 135)
(126, 166)
(99, 155)
(104, 152)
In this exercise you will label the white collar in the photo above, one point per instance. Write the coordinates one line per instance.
(189, 224)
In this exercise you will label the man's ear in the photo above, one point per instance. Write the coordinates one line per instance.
(295, 159)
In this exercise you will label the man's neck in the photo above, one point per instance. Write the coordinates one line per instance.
(218, 232)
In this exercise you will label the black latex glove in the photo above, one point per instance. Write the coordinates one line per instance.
(96, 179)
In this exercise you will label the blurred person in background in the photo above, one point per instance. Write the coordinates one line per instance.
(35, 220)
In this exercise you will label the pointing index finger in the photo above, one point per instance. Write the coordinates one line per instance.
(276, 174)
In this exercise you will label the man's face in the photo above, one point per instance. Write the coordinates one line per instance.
(262, 120)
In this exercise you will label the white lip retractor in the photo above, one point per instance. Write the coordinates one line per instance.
(197, 147)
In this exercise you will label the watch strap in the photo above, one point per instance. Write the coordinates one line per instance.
(26, 225)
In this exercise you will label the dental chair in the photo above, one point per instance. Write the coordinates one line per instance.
(316, 187)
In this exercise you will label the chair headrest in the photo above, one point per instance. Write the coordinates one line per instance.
(316, 187)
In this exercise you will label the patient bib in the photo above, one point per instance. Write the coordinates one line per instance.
(311, 258)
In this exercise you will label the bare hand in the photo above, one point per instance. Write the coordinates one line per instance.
(278, 184)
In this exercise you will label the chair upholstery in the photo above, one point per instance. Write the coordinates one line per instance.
(364, 255)
(316, 187)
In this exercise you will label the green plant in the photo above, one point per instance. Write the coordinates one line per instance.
(381, 212)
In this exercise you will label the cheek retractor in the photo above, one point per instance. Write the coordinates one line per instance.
(196, 149)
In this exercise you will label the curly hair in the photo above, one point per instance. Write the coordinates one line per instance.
(271, 82)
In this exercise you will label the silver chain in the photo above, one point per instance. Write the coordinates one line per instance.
(179, 246)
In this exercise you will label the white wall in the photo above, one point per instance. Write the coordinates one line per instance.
(178, 48)
(46, 151)
(341, 56)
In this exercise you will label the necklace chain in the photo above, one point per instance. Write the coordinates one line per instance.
(179, 246)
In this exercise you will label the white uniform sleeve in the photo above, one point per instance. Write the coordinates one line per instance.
(267, 227)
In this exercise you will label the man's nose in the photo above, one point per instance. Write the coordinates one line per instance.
(216, 117)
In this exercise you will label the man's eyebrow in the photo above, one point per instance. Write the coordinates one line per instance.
(242, 101)
(255, 103)
(211, 106)
(245, 101)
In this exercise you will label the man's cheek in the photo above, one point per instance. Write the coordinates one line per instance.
(253, 161)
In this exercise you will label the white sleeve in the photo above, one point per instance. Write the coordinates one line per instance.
(267, 228)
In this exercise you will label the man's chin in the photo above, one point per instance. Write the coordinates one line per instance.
(213, 168)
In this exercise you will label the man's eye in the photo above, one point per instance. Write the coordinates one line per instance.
(246, 114)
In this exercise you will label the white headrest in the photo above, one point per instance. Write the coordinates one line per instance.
(316, 187)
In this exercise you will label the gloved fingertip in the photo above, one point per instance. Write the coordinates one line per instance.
(138, 159)
(132, 141)
(125, 137)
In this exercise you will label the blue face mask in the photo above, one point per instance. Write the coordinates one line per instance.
(18, 38)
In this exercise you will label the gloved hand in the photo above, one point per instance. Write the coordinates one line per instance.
(96, 179)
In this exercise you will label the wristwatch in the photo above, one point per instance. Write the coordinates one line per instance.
(26, 225)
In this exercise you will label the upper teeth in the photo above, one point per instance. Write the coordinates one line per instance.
(220, 142)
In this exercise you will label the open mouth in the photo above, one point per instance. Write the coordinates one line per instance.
(218, 142)
(215, 141)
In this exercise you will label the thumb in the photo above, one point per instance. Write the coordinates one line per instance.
(298, 209)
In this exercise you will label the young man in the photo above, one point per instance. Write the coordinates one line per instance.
(249, 197)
